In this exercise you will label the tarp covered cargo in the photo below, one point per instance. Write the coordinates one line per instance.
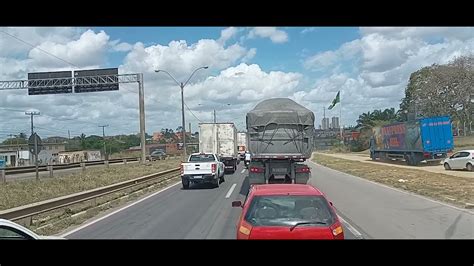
(280, 126)
(279, 111)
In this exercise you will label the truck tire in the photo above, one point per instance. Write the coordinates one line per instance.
(408, 159)
(446, 166)
(469, 167)
(185, 184)
(222, 179)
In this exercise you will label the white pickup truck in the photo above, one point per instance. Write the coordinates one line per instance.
(202, 168)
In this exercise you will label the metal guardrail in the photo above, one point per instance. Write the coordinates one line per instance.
(29, 210)
(43, 168)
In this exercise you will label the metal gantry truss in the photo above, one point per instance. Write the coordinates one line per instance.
(70, 81)
(111, 79)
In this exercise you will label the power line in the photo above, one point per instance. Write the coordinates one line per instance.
(34, 47)
(192, 113)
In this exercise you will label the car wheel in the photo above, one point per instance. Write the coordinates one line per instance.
(469, 167)
(446, 166)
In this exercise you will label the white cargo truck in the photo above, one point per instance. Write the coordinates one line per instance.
(242, 144)
(220, 139)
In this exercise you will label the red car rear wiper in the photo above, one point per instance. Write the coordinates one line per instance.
(303, 223)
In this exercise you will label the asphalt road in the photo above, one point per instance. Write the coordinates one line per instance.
(368, 210)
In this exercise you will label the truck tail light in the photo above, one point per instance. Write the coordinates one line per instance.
(213, 167)
(255, 169)
(427, 155)
(304, 169)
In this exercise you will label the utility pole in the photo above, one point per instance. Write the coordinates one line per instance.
(215, 120)
(103, 137)
(68, 134)
(190, 128)
(141, 106)
(35, 137)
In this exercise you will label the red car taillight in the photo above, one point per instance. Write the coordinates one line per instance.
(304, 169)
(244, 230)
(337, 231)
(181, 170)
(427, 155)
(213, 168)
(255, 169)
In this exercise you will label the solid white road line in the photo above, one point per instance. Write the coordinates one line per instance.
(116, 211)
(230, 191)
(351, 228)
(243, 170)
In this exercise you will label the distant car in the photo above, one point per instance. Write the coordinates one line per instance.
(287, 211)
(158, 155)
(11, 230)
(460, 160)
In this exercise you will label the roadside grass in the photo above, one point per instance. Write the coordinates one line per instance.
(458, 191)
(21, 192)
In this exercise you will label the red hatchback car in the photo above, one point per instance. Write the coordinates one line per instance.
(287, 211)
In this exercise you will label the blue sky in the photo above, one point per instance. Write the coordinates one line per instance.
(370, 66)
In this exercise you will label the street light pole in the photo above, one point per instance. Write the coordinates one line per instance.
(183, 126)
(182, 85)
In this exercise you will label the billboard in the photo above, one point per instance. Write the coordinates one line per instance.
(95, 80)
(49, 82)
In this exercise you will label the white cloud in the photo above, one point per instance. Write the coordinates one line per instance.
(24, 37)
(88, 50)
(324, 60)
(308, 30)
(376, 67)
(251, 53)
(275, 35)
(118, 46)
(181, 59)
(227, 34)
(460, 33)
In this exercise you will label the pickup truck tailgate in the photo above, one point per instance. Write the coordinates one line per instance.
(197, 168)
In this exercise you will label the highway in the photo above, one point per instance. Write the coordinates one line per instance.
(368, 210)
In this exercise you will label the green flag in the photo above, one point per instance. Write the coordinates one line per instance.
(335, 101)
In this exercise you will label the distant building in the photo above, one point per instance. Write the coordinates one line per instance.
(157, 136)
(325, 123)
(335, 122)
(19, 155)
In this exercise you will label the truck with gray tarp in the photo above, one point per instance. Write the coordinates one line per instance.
(280, 138)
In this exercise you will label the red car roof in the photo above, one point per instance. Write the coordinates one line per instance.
(285, 189)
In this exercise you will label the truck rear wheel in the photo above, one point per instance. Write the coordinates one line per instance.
(185, 184)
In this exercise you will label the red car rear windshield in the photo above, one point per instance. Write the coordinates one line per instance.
(289, 210)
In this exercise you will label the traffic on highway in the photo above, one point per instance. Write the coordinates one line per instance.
(266, 163)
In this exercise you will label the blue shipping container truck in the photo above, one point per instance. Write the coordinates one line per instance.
(426, 139)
